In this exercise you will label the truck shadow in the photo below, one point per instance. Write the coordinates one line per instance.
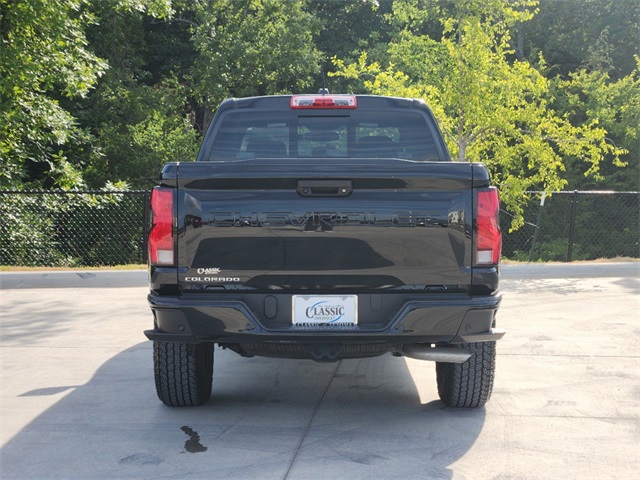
(267, 418)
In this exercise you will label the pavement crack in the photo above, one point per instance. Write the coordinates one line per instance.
(308, 427)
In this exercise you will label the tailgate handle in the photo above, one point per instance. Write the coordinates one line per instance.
(325, 188)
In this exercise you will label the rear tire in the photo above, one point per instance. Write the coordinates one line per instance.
(468, 384)
(183, 372)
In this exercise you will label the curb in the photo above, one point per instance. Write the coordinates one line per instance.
(139, 278)
(75, 279)
(570, 270)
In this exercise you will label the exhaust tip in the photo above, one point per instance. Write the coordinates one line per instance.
(423, 351)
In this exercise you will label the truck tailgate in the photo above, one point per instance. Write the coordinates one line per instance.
(324, 224)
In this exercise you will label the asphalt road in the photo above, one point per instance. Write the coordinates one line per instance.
(78, 400)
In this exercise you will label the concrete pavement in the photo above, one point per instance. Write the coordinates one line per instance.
(78, 400)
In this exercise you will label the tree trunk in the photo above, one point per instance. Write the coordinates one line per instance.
(462, 140)
(462, 151)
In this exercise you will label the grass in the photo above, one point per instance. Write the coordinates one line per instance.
(8, 268)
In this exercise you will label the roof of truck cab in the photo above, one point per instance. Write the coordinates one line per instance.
(269, 102)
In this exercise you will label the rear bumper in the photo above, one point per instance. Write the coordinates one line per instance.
(264, 318)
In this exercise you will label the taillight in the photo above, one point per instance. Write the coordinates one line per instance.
(488, 235)
(161, 245)
(324, 101)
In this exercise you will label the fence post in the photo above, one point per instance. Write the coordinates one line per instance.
(572, 226)
(145, 226)
(538, 222)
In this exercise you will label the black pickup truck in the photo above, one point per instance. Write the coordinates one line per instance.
(324, 227)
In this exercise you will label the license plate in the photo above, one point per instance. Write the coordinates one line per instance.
(325, 310)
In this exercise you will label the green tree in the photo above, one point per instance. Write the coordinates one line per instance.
(138, 130)
(44, 59)
(491, 108)
(138, 114)
(347, 28)
(591, 96)
(591, 34)
(252, 47)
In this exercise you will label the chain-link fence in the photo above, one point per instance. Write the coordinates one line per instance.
(73, 228)
(567, 226)
(109, 228)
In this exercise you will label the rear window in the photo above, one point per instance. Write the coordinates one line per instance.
(248, 134)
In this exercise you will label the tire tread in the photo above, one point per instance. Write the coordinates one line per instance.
(183, 373)
(468, 384)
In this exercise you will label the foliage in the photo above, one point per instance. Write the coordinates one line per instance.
(72, 229)
(585, 34)
(103, 230)
(251, 47)
(491, 108)
(25, 233)
(167, 75)
(109, 90)
(347, 28)
(138, 114)
(153, 8)
(140, 129)
(44, 58)
(590, 96)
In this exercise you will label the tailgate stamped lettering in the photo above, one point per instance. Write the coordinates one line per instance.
(317, 219)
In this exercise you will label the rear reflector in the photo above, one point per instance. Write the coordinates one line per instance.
(161, 244)
(324, 101)
(488, 244)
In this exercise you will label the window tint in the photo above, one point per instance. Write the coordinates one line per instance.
(243, 136)
(323, 137)
(359, 134)
(395, 134)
